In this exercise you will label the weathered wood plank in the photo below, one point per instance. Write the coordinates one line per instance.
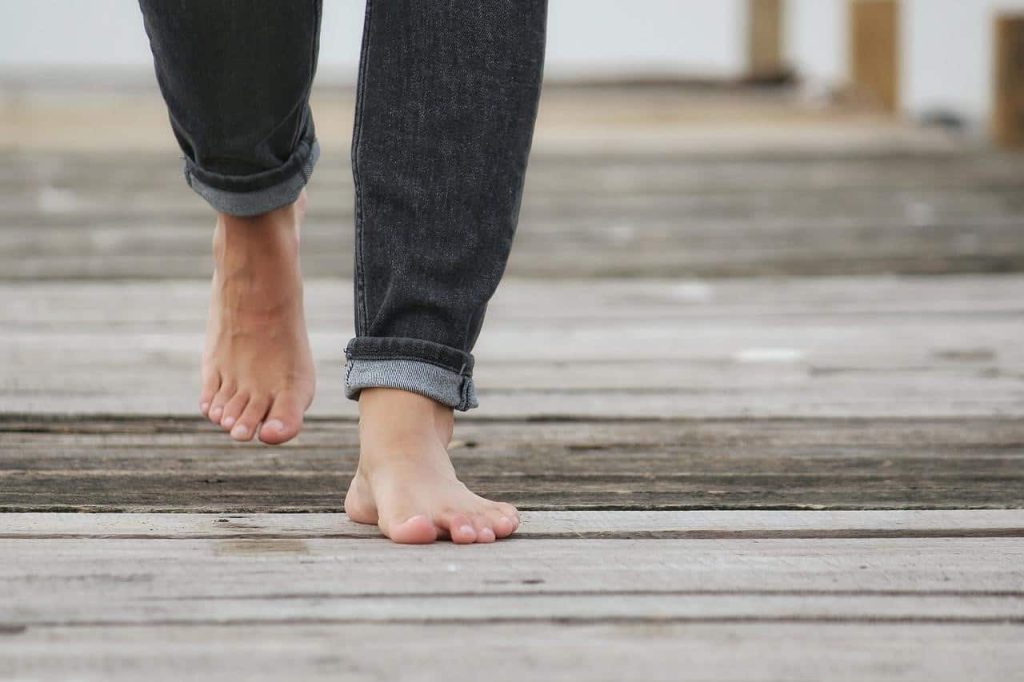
(578, 608)
(205, 581)
(83, 179)
(105, 217)
(599, 247)
(880, 346)
(620, 652)
(181, 465)
(53, 304)
(762, 524)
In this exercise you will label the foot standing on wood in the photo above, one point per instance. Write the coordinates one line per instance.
(446, 102)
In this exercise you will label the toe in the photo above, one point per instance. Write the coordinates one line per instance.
(503, 525)
(461, 529)
(211, 382)
(417, 530)
(508, 512)
(220, 399)
(245, 427)
(284, 419)
(233, 410)
(484, 531)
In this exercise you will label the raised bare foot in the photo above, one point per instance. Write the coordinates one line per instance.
(406, 483)
(257, 370)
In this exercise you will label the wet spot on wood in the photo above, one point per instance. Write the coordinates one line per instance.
(248, 546)
(965, 354)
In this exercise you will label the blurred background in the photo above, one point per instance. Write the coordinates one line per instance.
(679, 142)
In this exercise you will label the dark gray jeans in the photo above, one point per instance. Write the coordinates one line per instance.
(446, 103)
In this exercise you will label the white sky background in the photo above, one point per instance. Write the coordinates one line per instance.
(585, 37)
(946, 43)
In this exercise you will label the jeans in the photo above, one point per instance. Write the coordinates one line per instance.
(445, 109)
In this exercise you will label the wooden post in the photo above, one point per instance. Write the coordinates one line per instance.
(874, 51)
(764, 39)
(1008, 108)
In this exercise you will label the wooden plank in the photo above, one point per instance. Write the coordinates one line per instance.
(84, 180)
(547, 525)
(913, 347)
(643, 215)
(770, 393)
(204, 581)
(578, 608)
(590, 389)
(39, 574)
(622, 652)
(613, 249)
(875, 51)
(241, 604)
(170, 465)
(764, 40)
(1008, 64)
(50, 306)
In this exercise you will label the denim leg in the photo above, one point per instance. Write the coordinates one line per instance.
(236, 76)
(446, 104)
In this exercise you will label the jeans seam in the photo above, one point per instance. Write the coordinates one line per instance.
(360, 288)
(464, 394)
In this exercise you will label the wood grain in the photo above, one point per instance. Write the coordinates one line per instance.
(609, 652)
(180, 465)
(309, 580)
(285, 595)
(102, 217)
(832, 347)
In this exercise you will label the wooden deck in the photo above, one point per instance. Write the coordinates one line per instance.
(755, 378)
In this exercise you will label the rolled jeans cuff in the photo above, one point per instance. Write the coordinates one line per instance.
(250, 195)
(440, 372)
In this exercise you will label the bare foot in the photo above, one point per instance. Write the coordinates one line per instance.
(257, 371)
(406, 483)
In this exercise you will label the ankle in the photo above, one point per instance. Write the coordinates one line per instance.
(375, 401)
(265, 235)
(399, 415)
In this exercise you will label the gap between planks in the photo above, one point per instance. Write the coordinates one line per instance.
(536, 525)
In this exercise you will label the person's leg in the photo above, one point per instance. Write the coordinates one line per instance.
(236, 78)
(447, 98)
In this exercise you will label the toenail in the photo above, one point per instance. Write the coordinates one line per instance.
(467, 530)
(274, 425)
(239, 431)
(215, 413)
(228, 421)
(204, 408)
